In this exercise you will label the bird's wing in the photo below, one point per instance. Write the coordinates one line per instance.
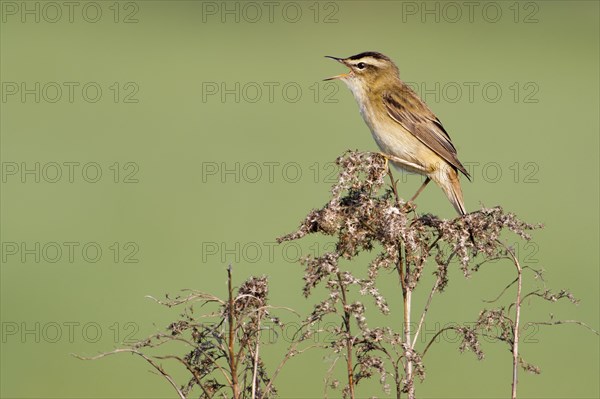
(414, 115)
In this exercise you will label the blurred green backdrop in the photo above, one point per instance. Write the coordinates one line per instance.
(146, 145)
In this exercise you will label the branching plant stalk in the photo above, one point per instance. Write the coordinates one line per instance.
(420, 325)
(407, 291)
(363, 214)
(515, 348)
(403, 269)
(348, 337)
(230, 319)
(430, 297)
(222, 355)
(256, 351)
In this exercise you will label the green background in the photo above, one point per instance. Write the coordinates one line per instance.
(534, 147)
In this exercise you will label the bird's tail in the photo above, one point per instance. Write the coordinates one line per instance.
(447, 179)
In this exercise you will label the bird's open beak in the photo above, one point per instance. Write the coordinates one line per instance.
(341, 76)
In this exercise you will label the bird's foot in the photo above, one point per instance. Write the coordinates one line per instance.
(386, 157)
(408, 207)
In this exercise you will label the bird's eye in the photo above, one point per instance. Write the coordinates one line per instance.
(361, 65)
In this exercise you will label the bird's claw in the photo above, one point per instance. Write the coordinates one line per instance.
(409, 207)
(387, 160)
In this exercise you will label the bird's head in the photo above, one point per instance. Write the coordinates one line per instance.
(367, 70)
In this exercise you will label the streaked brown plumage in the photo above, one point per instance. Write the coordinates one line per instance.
(403, 126)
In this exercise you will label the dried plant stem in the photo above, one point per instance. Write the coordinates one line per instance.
(433, 290)
(156, 366)
(230, 319)
(191, 370)
(403, 268)
(503, 291)
(256, 351)
(432, 340)
(329, 375)
(291, 352)
(348, 337)
(431, 293)
(407, 291)
(409, 362)
(515, 347)
(558, 322)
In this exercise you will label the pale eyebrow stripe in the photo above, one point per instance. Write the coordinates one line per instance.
(368, 60)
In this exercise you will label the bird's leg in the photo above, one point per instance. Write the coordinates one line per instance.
(425, 183)
(410, 205)
(387, 162)
(393, 182)
(409, 166)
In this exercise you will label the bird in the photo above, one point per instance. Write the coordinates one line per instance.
(407, 132)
